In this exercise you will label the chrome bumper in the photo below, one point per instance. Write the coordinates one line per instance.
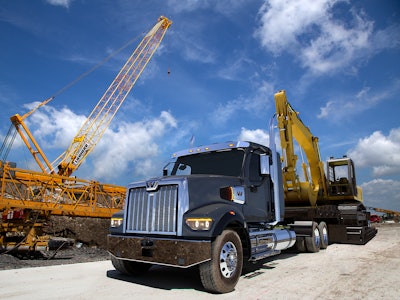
(171, 252)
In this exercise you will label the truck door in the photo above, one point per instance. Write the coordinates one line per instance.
(258, 189)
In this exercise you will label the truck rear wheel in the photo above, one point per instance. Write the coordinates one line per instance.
(222, 272)
(128, 267)
(300, 244)
(323, 231)
(313, 242)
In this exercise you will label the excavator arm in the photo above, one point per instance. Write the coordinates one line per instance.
(291, 127)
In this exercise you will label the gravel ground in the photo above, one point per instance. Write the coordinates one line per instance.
(346, 272)
(73, 255)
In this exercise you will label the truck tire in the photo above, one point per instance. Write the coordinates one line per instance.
(300, 244)
(130, 268)
(222, 272)
(313, 242)
(323, 231)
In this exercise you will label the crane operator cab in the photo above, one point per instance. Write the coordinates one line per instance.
(341, 178)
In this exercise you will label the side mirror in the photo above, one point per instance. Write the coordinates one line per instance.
(264, 164)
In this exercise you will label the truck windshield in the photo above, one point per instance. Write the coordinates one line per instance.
(228, 162)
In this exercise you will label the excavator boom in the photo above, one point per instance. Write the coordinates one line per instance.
(291, 127)
(337, 186)
(332, 197)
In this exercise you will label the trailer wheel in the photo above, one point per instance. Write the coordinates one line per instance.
(300, 244)
(313, 242)
(323, 231)
(130, 268)
(222, 272)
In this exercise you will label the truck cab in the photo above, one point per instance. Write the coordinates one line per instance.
(214, 206)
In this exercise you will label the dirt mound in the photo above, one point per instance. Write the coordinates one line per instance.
(91, 232)
(71, 255)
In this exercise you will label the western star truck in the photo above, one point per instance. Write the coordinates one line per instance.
(219, 205)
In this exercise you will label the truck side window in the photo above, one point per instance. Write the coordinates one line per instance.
(254, 168)
(183, 170)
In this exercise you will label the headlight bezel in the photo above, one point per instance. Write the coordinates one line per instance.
(199, 223)
(116, 222)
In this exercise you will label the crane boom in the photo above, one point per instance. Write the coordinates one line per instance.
(28, 198)
(99, 119)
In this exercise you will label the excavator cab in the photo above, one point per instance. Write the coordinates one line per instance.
(341, 177)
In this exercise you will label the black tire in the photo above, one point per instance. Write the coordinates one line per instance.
(323, 231)
(313, 242)
(130, 268)
(222, 272)
(300, 244)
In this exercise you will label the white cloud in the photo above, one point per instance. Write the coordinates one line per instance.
(63, 3)
(255, 105)
(282, 22)
(124, 146)
(380, 152)
(131, 144)
(382, 193)
(311, 32)
(259, 136)
(54, 128)
(363, 100)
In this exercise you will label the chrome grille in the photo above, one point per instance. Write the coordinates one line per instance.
(152, 212)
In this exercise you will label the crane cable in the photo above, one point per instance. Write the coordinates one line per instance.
(11, 134)
(7, 143)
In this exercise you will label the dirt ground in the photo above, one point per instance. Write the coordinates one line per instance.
(72, 255)
(83, 251)
(360, 272)
(90, 241)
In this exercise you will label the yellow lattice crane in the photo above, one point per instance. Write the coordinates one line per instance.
(28, 198)
(99, 119)
(101, 116)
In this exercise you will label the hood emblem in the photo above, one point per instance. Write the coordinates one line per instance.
(151, 185)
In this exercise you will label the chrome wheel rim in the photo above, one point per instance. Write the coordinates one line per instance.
(317, 237)
(228, 260)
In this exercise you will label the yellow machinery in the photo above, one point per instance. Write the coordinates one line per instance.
(28, 198)
(333, 194)
(387, 211)
(339, 186)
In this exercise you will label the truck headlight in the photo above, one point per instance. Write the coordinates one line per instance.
(199, 223)
(116, 222)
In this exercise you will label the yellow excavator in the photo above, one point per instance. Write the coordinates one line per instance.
(332, 194)
(28, 198)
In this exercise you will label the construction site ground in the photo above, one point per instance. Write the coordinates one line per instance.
(342, 271)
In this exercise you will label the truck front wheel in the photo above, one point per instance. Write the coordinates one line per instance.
(128, 267)
(222, 272)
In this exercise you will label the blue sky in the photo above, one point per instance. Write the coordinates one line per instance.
(337, 60)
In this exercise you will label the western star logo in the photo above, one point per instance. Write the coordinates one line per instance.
(151, 185)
